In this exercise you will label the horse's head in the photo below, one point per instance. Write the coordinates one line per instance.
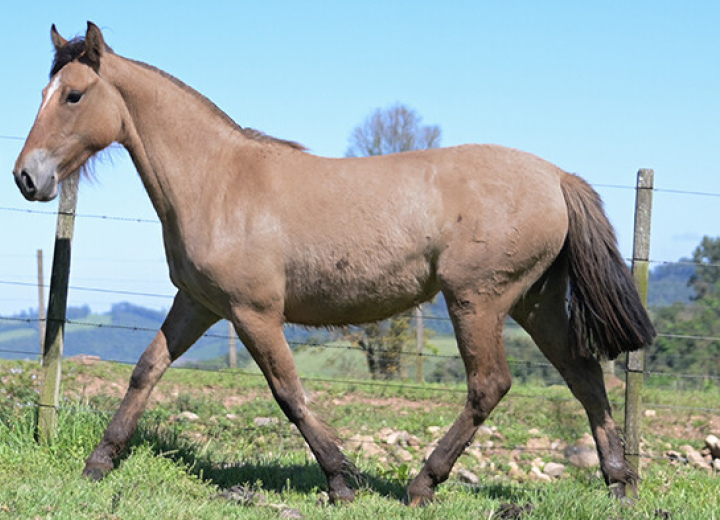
(79, 116)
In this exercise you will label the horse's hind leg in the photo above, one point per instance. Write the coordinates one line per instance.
(184, 324)
(262, 334)
(543, 314)
(478, 329)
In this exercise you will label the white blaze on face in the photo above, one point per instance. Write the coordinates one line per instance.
(50, 91)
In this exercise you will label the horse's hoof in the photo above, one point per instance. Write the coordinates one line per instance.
(617, 490)
(343, 496)
(418, 500)
(95, 473)
(627, 502)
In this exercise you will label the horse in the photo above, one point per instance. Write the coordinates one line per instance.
(261, 232)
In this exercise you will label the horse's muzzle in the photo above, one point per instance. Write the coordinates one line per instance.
(36, 177)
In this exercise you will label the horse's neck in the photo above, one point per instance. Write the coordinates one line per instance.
(175, 140)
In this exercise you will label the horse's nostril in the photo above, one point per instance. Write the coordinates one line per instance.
(27, 183)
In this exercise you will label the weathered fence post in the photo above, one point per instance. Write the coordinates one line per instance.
(636, 360)
(232, 346)
(420, 338)
(41, 302)
(608, 368)
(56, 312)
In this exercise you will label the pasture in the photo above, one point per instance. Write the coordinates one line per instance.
(216, 445)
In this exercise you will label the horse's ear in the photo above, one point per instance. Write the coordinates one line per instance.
(57, 40)
(94, 45)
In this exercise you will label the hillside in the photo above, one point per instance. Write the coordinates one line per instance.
(119, 335)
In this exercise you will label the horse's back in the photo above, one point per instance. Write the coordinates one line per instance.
(379, 235)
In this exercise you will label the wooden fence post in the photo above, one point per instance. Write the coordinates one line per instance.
(232, 346)
(641, 271)
(608, 368)
(56, 312)
(41, 302)
(420, 339)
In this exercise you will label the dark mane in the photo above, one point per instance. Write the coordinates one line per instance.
(75, 49)
(257, 135)
(71, 51)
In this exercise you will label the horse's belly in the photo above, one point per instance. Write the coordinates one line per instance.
(343, 295)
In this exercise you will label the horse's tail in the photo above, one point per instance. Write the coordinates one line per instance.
(607, 316)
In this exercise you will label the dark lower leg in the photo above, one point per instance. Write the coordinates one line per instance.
(480, 343)
(185, 322)
(264, 338)
(148, 371)
(324, 445)
(586, 383)
(585, 380)
(543, 314)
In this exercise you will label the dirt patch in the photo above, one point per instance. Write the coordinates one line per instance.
(321, 399)
(87, 385)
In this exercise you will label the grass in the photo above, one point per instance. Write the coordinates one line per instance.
(179, 470)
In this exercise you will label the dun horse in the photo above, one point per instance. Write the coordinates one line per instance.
(260, 232)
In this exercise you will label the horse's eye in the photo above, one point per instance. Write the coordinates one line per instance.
(74, 97)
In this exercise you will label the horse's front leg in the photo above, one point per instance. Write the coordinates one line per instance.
(262, 334)
(184, 324)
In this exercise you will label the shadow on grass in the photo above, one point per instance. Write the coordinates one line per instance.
(275, 475)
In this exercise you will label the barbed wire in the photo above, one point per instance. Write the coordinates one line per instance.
(528, 364)
(92, 289)
(131, 293)
(225, 336)
(81, 215)
(11, 351)
(658, 190)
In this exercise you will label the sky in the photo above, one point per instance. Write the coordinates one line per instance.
(601, 89)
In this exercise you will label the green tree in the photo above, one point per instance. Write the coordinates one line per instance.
(390, 130)
(706, 280)
(686, 344)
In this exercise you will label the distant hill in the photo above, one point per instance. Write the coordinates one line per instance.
(122, 335)
(668, 283)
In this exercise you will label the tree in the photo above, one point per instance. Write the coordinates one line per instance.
(687, 343)
(390, 130)
(706, 280)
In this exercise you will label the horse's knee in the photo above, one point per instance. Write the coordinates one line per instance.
(485, 394)
(150, 367)
(291, 402)
(142, 375)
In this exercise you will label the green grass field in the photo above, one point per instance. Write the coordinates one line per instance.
(224, 465)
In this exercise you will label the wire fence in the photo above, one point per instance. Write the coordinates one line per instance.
(327, 344)
(335, 346)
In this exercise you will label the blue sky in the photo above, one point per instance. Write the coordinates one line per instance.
(600, 89)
